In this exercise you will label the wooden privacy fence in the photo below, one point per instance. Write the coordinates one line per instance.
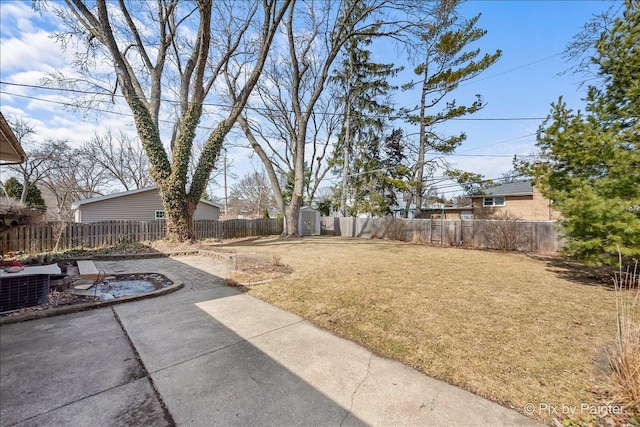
(531, 236)
(66, 235)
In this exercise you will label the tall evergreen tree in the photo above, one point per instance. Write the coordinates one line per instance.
(367, 91)
(444, 64)
(590, 162)
(397, 173)
(366, 180)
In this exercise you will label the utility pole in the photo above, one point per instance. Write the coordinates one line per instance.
(226, 204)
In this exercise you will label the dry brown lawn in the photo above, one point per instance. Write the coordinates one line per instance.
(514, 328)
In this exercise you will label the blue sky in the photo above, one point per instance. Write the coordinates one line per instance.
(525, 81)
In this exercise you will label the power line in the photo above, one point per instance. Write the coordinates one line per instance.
(510, 70)
(484, 155)
(210, 104)
(479, 119)
(498, 143)
(67, 104)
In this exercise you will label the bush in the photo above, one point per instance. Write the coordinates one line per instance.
(396, 229)
(506, 233)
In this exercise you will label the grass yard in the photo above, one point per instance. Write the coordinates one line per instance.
(514, 328)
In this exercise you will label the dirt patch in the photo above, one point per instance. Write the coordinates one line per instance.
(251, 270)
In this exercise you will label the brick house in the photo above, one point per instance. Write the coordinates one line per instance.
(520, 199)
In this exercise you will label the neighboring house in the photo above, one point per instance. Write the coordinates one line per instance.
(448, 212)
(11, 151)
(143, 204)
(519, 199)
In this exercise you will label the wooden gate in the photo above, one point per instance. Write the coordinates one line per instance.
(436, 229)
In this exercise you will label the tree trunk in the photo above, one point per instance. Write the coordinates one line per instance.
(421, 146)
(266, 161)
(25, 191)
(293, 210)
(346, 146)
(407, 207)
(345, 174)
(178, 211)
(292, 217)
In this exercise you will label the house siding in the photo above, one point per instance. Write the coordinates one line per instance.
(533, 207)
(137, 207)
(449, 213)
(205, 211)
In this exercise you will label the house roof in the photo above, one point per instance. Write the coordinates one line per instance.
(77, 204)
(11, 151)
(521, 188)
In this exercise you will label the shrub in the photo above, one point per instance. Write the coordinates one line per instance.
(506, 233)
(452, 237)
(396, 230)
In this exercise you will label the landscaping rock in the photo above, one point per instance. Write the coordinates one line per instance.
(105, 297)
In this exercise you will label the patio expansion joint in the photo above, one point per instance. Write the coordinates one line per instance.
(353, 395)
(215, 350)
(146, 373)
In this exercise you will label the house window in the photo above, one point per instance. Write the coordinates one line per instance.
(159, 215)
(493, 201)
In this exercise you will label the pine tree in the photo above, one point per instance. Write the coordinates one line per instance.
(367, 90)
(590, 164)
(34, 197)
(444, 64)
(397, 173)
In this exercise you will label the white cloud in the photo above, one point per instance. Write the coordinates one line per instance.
(32, 51)
(16, 18)
(9, 111)
(31, 77)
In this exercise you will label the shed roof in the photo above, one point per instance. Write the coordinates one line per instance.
(521, 188)
(77, 204)
(11, 151)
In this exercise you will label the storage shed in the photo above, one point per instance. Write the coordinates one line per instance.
(142, 204)
(309, 222)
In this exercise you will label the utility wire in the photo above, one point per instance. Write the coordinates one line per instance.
(510, 70)
(461, 154)
(210, 104)
(497, 143)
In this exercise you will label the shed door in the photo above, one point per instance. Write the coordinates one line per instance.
(308, 223)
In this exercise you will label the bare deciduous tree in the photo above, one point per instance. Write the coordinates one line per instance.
(291, 93)
(167, 56)
(254, 189)
(73, 176)
(122, 158)
(40, 159)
